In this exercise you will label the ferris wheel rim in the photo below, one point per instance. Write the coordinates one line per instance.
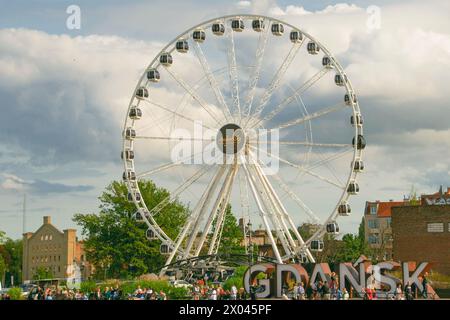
(357, 154)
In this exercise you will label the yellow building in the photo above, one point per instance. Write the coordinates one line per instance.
(58, 252)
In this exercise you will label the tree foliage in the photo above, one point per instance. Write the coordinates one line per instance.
(115, 243)
(232, 235)
(11, 254)
(42, 273)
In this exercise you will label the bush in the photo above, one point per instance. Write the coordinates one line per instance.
(88, 286)
(15, 294)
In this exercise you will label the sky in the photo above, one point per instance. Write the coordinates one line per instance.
(64, 93)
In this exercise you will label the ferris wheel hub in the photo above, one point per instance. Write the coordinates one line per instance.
(230, 138)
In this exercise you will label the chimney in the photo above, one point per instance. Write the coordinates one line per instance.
(47, 220)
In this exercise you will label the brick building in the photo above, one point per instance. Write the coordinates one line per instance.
(422, 233)
(377, 227)
(58, 252)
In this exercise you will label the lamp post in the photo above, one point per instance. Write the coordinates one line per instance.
(250, 255)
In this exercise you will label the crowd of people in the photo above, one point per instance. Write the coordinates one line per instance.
(201, 290)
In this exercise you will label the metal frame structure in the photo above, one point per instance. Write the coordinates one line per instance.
(243, 167)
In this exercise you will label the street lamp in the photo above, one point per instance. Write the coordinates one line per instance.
(250, 256)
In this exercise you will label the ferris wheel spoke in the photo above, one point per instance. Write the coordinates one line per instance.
(173, 138)
(212, 80)
(180, 189)
(168, 165)
(193, 94)
(148, 102)
(245, 206)
(307, 144)
(329, 159)
(233, 73)
(305, 86)
(312, 116)
(301, 168)
(259, 56)
(276, 81)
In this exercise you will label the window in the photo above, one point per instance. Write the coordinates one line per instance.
(373, 238)
(373, 210)
(435, 227)
(373, 224)
(388, 222)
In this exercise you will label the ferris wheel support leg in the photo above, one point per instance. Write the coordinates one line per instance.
(221, 216)
(288, 218)
(204, 203)
(275, 216)
(262, 213)
(213, 212)
(177, 245)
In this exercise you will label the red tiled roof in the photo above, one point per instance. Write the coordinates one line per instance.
(384, 208)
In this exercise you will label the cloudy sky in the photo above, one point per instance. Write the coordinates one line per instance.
(64, 93)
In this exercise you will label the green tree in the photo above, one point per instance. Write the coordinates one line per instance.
(115, 243)
(12, 253)
(42, 273)
(2, 271)
(232, 235)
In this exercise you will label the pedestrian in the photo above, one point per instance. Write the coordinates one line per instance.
(301, 291)
(425, 285)
(295, 291)
(398, 292)
(233, 293)
(325, 291)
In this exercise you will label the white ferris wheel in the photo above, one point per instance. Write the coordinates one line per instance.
(238, 80)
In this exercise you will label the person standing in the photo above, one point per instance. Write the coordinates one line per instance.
(301, 291)
(398, 292)
(325, 291)
(234, 292)
(295, 291)
(425, 285)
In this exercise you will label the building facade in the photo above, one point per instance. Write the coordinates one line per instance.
(58, 252)
(377, 227)
(422, 233)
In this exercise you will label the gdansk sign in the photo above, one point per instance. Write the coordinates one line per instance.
(357, 277)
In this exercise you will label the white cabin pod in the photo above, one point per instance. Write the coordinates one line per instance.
(350, 99)
(138, 217)
(353, 188)
(142, 93)
(296, 36)
(135, 113)
(130, 133)
(150, 234)
(153, 75)
(218, 29)
(129, 175)
(237, 25)
(357, 120)
(277, 29)
(316, 245)
(165, 249)
(127, 155)
(134, 195)
(358, 166)
(326, 62)
(332, 228)
(340, 80)
(344, 209)
(258, 25)
(313, 48)
(166, 59)
(182, 46)
(361, 144)
(199, 35)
